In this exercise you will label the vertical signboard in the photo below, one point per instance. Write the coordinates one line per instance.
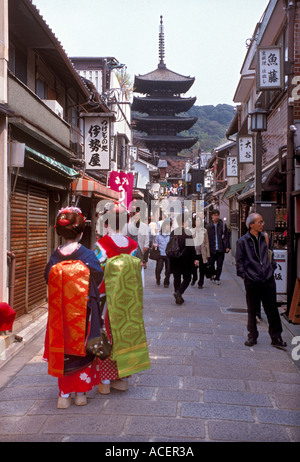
(245, 146)
(269, 73)
(123, 183)
(96, 144)
(280, 274)
(232, 166)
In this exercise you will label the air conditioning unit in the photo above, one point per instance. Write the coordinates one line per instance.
(55, 107)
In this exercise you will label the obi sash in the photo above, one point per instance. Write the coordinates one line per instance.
(68, 288)
(124, 295)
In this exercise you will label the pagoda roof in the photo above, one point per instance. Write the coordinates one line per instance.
(178, 104)
(158, 142)
(183, 123)
(162, 78)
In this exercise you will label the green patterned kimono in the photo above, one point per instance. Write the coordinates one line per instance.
(124, 295)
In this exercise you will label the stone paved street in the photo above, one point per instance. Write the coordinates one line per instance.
(204, 384)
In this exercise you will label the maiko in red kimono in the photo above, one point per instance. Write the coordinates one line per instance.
(74, 317)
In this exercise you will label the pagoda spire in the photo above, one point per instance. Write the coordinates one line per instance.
(161, 44)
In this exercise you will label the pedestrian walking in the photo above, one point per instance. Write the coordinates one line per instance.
(160, 241)
(256, 268)
(139, 231)
(182, 254)
(121, 295)
(201, 243)
(73, 274)
(219, 244)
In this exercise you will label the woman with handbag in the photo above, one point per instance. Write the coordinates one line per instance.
(201, 241)
(107, 249)
(73, 274)
(160, 242)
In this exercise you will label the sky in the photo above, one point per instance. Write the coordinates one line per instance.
(205, 39)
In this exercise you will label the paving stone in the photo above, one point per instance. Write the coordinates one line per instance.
(70, 424)
(21, 425)
(246, 432)
(166, 427)
(216, 411)
(278, 416)
(232, 397)
(124, 407)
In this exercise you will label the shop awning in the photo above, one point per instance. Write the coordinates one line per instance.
(249, 188)
(51, 163)
(88, 187)
(235, 189)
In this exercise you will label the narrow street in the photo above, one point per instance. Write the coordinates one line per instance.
(204, 384)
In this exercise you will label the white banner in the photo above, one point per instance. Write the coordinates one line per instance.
(96, 144)
(269, 68)
(245, 149)
(232, 166)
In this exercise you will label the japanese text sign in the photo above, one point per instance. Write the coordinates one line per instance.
(269, 68)
(245, 144)
(280, 274)
(122, 182)
(232, 166)
(97, 151)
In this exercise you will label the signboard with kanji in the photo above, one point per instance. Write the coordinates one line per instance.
(96, 143)
(232, 166)
(280, 274)
(123, 183)
(245, 145)
(269, 74)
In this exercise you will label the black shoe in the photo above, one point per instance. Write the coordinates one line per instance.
(178, 298)
(193, 283)
(166, 285)
(158, 283)
(279, 343)
(251, 341)
(200, 286)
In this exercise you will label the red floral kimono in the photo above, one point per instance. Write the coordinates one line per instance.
(73, 318)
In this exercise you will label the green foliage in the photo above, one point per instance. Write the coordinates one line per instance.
(211, 125)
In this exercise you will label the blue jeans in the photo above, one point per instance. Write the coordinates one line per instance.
(218, 259)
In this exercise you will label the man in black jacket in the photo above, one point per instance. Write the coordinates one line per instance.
(254, 266)
(219, 243)
(182, 266)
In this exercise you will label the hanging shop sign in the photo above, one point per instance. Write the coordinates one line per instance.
(123, 183)
(245, 145)
(232, 166)
(280, 274)
(97, 143)
(269, 75)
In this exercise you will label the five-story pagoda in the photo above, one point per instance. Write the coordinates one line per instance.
(162, 108)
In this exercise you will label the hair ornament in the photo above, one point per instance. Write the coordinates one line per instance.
(63, 221)
(65, 210)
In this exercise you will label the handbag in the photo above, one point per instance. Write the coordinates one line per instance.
(99, 346)
(154, 253)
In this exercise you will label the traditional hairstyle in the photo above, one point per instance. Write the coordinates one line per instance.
(69, 222)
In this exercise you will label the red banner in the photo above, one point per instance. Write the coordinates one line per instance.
(123, 183)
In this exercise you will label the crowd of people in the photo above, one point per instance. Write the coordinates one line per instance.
(201, 251)
(95, 332)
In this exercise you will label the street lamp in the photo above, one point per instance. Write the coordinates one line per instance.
(258, 125)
